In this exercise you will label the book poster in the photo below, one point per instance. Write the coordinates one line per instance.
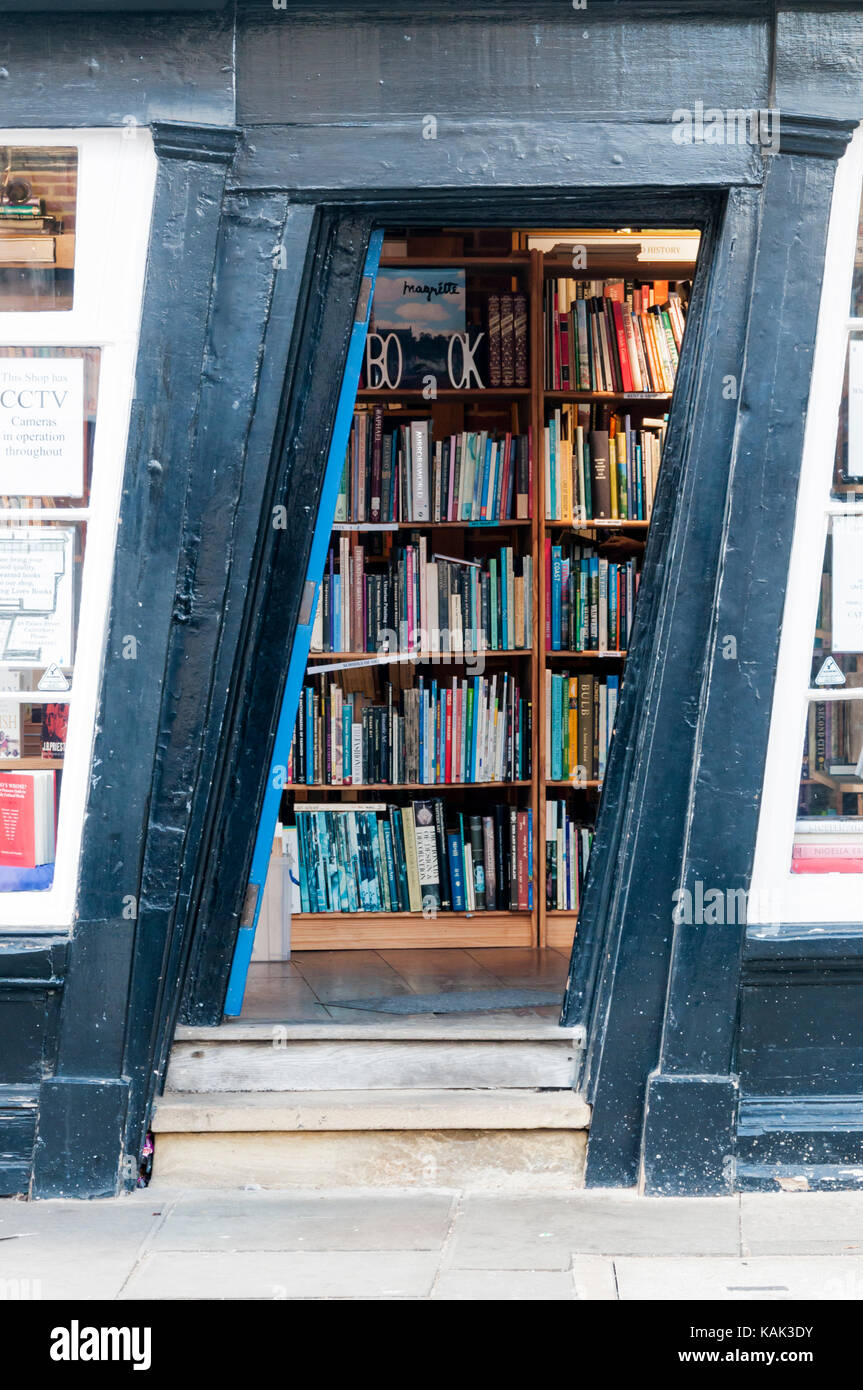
(42, 426)
(847, 615)
(422, 309)
(36, 568)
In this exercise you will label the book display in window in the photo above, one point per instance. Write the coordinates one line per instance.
(478, 594)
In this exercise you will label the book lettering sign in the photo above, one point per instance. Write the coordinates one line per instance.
(42, 426)
(36, 569)
(847, 633)
(419, 331)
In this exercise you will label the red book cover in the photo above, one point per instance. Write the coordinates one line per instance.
(625, 370)
(833, 865)
(447, 762)
(377, 461)
(521, 843)
(456, 736)
(17, 821)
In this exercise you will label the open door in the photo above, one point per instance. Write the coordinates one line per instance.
(300, 650)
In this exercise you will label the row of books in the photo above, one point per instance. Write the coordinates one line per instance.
(471, 730)
(54, 721)
(612, 335)
(589, 600)
(434, 603)
(567, 850)
(372, 857)
(828, 844)
(834, 736)
(600, 474)
(506, 324)
(579, 712)
(403, 475)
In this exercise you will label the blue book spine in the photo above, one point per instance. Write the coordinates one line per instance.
(434, 720)
(456, 871)
(477, 683)
(486, 479)
(639, 490)
(376, 877)
(556, 575)
(556, 729)
(391, 866)
(302, 866)
(310, 738)
(337, 612)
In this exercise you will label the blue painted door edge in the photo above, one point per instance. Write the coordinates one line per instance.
(302, 638)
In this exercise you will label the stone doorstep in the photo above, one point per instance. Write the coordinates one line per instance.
(386, 1031)
(440, 1110)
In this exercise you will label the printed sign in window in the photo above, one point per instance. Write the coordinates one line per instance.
(42, 426)
(36, 596)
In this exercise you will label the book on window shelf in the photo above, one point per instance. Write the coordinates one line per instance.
(423, 601)
(567, 850)
(612, 335)
(382, 857)
(10, 717)
(405, 475)
(598, 466)
(579, 713)
(834, 734)
(589, 600)
(470, 730)
(506, 328)
(27, 811)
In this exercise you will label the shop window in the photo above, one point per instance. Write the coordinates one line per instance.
(38, 196)
(809, 857)
(66, 371)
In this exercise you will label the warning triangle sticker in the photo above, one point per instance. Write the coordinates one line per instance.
(830, 674)
(53, 679)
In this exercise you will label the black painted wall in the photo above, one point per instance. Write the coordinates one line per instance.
(324, 106)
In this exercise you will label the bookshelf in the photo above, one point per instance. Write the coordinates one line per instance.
(490, 269)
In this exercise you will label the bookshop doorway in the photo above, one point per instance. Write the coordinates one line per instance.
(475, 611)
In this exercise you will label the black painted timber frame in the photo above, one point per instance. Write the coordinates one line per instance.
(683, 1027)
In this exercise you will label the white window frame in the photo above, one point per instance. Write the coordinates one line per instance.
(116, 182)
(776, 895)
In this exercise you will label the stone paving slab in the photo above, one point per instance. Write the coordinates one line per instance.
(811, 1223)
(764, 1278)
(516, 1285)
(516, 1232)
(306, 1221)
(280, 1275)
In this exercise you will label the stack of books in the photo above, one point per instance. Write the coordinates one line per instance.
(471, 730)
(828, 845)
(580, 712)
(589, 600)
(604, 473)
(612, 335)
(506, 328)
(417, 602)
(567, 850)
(372, 857)
(403, 475)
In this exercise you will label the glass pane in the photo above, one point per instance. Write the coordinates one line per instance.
(829, 832)
(38, 194)
(40, 588)
(857, 282)
(837, 654)
(848, 464)
(47, 425)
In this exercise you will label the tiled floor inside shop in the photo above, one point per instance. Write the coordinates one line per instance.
(451, 986)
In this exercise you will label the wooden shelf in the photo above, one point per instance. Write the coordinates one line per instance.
(583, 656)
(574, 786)
(368, 931)
(363, 527)
(444, 393)
(647, 397)
(603, 524)
(437, 658)
(402, 786)
(29, 764)
(520, 260)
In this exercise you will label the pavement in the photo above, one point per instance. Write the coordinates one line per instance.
(433, 1244)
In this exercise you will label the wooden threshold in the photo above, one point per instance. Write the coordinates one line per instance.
(391, 931)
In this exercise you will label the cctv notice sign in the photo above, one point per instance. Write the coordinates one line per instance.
(42, 426)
